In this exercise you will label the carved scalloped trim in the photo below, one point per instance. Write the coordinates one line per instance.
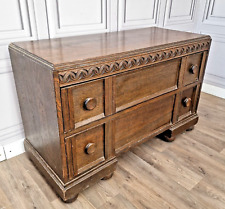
(79, 74)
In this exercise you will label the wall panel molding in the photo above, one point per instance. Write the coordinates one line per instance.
(211, 21)
(138, 13)
(214, 12)
(74, 17)
(24, 28)
(179, 12)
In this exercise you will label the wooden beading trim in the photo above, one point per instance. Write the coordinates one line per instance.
(77, 75)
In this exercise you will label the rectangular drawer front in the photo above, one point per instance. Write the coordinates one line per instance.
(140, 85)
(140, 121)
(85, 150)
(82, 104)
(187, 102)
(192, 69)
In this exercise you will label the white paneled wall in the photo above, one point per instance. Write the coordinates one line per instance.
(71, 17)
(17, 23)
(211, 20)
(137, 13)
(179, 15)
(41, 19)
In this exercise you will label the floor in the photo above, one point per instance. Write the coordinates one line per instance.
(188, 173)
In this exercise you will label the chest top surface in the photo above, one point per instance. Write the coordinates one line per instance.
(88, 47)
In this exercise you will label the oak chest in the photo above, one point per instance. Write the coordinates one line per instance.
(86, 99)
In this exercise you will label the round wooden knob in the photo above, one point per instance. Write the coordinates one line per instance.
(187, 102)
(193, 69)
(90, 148)
(90, 103)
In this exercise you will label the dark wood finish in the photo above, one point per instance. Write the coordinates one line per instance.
(82, 104)
(137, 86)
(179, 127)
(193, 69)
(138, 122)
(190, 128)
(86, 149)
(36, 95)
(108, 176)
(78, 49)
(70, 190)
(90, 103)
(85, 100)
(154, 175)
(187, 102)
(90, 148)
(193, 66)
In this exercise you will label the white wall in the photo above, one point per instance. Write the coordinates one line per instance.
(16, 24)
(32, 20)
(211, 20)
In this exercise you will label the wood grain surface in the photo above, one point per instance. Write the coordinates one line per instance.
(86, 99)
(70, 49)
(188, 173)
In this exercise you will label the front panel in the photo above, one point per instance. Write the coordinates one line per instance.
(141, 121)
(192, 69)
(85, 149)
(145, 83)
(83, 103)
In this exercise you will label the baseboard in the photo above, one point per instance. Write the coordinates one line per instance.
(14, 148)
(11, 142)
(214, 90)
(214, 80)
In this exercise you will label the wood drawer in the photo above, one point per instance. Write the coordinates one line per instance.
(139, 122)
(192, 69)
(187, 102)
(85, 150)
(138, 86)
(82, 104)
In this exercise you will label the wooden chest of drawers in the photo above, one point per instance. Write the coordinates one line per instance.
(86, 99)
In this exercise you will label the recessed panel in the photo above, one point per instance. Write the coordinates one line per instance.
(214, 13)
(181, 8)
(218, 8)
(68, 18)
(145, 83)
(216, 62)
(86, 149)
(82, 104)
(141, 121)
(187, 102)
(79, 12)
(10, 15)
(179, 13)
(139, 9)
(192, 69)
(137, 13)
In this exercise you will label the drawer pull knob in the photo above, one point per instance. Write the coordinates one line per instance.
(187, 102)
(90, 148)
(193, 69)
(90, 103)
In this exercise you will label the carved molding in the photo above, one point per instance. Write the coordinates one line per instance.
(129, 63)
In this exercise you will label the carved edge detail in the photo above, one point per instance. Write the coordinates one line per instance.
(150, 58)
